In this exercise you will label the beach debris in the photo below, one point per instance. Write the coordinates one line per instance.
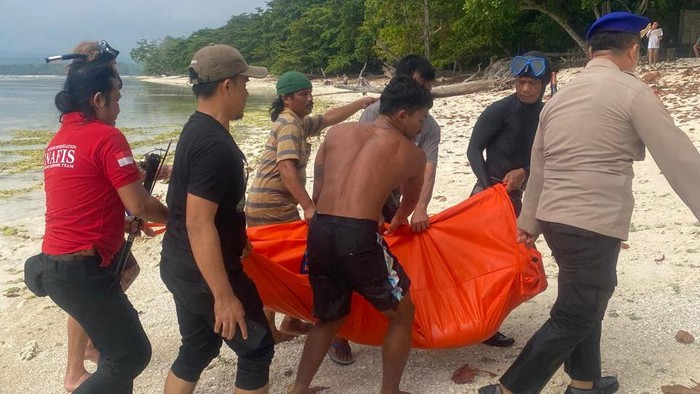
(651, 76)
(29, 351)
(15, 281)
(660, 259)
(678, 389)
(12, 292)
(466, 374)
(684, 337)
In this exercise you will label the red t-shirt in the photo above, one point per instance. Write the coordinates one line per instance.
(84, 165)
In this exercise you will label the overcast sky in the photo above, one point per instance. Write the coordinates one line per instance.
(52, 27)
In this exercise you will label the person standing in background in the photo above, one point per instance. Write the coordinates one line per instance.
(654, 35)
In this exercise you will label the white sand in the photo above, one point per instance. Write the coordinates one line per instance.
(658, 292)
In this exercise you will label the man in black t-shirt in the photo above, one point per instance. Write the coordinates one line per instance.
(206, 238)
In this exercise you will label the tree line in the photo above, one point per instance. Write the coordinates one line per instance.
(347, 36)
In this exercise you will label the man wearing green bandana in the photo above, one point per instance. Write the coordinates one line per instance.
(279, 183)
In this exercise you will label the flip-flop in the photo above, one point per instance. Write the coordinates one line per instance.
(337, 347)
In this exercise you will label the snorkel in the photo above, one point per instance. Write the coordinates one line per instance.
(105, 53)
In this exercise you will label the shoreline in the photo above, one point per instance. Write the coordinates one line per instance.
(658, 292)
(330, 93)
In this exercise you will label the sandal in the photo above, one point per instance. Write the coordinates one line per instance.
(340, 347)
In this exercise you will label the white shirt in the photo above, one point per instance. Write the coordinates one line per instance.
(654, 38)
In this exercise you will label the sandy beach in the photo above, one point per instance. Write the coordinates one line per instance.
(658, 292)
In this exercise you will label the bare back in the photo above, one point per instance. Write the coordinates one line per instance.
(360, 164)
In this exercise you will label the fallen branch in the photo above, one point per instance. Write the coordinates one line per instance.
(361, 89)
(463, 88)
(458, 89)
(473, 76)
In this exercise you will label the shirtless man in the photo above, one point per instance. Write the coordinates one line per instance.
(345, 250)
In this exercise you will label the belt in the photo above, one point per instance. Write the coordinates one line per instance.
(77, 256)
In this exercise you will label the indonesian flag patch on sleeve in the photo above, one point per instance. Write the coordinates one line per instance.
(124, 159)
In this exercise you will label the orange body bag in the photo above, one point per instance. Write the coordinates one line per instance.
(467, 273)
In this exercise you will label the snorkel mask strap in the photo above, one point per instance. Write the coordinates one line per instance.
(70, 56)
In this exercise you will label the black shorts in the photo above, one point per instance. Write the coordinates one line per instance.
(194, 305)
(348, 254)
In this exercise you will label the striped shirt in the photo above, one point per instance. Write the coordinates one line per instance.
(268, 201)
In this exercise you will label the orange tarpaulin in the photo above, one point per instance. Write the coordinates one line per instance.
(467, 273)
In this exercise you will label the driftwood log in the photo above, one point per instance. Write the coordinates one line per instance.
(463, 88)
(458, 89)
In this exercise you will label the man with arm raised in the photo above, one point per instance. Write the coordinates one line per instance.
(279, 184)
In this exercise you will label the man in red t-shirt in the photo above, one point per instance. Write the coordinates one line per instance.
(90, 178)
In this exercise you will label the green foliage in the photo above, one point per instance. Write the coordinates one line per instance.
(169, 56)
(340, 36)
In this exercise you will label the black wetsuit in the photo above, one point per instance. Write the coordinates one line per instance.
(506, 130)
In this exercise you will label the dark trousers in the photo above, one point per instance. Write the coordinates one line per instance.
(194, 306)
(93, 296)
(587, 279)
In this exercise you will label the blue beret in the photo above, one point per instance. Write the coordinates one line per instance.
(623, 22)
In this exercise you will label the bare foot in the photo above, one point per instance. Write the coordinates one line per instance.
(70, 383)
(293, 326)
(279, 336)
(91, 354)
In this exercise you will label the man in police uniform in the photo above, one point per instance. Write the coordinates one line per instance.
(579, 196)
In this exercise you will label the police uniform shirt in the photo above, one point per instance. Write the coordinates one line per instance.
(589, 134)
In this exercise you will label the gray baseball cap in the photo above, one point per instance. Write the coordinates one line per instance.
(217, 62)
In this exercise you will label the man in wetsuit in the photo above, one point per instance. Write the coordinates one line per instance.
(506, 130)
(346, 252)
